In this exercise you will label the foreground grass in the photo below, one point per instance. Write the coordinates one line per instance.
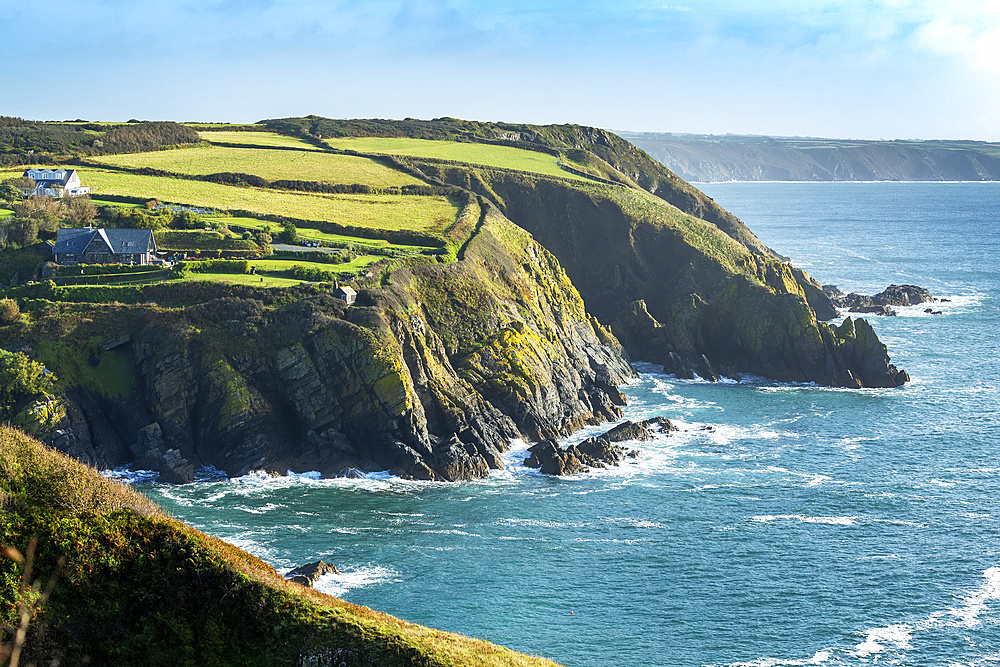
(273, 165)
(142, 588)
(484, 154)
(393, 212)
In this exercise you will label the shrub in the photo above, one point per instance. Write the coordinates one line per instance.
(9, 311)
(21, 377)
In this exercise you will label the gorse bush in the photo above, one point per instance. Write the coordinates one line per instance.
(20, 377)
(9, 311)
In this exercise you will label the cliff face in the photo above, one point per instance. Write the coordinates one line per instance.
(679, 290)
(753, 158)
(429, 377)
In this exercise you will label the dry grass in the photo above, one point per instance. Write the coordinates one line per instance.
(40, 475)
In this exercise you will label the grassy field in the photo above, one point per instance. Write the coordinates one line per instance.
(484, 154)
(269, 164)
(426, 214)
(266, 139)
(5, 213)
(260, 280)
(355, 265)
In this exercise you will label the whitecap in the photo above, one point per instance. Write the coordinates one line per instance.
(350, 578)
(829, 520)
(879, 639)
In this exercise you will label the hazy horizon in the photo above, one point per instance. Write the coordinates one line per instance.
(887, 69)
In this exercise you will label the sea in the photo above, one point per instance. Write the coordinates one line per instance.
(784, 524)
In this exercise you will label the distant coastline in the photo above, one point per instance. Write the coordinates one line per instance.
(700, 158)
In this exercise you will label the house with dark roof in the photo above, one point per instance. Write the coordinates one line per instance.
(104, 246)
(55, 183)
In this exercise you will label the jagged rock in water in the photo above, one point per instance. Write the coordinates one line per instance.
(152, 453)
(597, 452)
(551, 459)
(308, 574)
(893, 295)
(874, 310)
(457, 461)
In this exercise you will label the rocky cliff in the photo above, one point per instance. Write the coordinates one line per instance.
(694, 296)
(429, 376)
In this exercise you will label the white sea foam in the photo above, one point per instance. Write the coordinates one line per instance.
(818, 658)
(829, 520)
(127, 475)
(350, 578)
(896, 636)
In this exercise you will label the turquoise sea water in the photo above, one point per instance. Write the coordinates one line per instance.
(784, 525)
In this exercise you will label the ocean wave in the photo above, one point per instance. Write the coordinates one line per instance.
(896, 636)
(351, 578)
(834, 520)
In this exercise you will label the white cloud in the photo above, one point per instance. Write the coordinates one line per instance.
(966, 29)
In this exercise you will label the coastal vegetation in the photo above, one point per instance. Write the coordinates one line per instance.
(134, 586)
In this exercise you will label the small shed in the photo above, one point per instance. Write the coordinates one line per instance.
(346, 294)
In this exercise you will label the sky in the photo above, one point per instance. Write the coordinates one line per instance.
(866, 69)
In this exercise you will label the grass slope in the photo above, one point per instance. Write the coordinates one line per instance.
(272, 165)
(267, 139)
(484, 154)
(142, 588)
(426, 214)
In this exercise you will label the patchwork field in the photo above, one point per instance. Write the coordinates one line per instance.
(426, 214)
(484, 154)
(268, 164)
(244, 279)
(266, 139)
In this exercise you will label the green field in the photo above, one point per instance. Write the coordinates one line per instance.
(5, 213)
(485, 154)
(268, 164)
(425, 214)
(243, 279)
(266, 139)
(353, 266)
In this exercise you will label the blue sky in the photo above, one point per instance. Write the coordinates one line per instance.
(853, 68)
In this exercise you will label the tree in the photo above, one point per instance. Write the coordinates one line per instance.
(46, 212)
(20, 377)
(9, 311)
(289, 234)
(22, 231)
(80, 211)
(12, 189)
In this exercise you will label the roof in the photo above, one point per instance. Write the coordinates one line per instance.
(349, 291)
(121, 241)
(67, 174)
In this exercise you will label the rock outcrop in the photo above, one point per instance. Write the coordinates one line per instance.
(308, 574)
(597, 452)
(881, 303)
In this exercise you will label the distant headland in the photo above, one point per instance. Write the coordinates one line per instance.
(733, 157)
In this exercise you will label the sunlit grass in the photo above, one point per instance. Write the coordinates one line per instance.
(484, 154)
(393, 212)
(257, 139)
(272, 165)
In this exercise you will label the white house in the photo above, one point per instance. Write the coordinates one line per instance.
(55, 183)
